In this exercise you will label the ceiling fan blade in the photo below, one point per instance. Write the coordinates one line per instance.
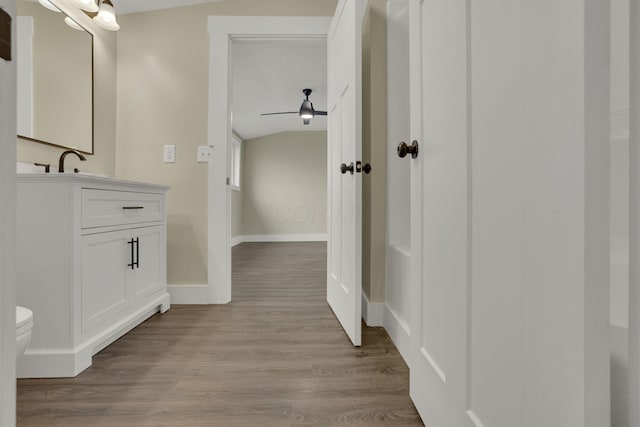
(320, 113)
(283, 112)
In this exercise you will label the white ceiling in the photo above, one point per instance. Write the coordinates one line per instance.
(268, 76)
(133, 6)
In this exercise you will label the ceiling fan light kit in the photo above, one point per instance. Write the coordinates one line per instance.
(306, 112)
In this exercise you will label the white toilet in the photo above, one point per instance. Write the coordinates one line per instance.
(24, 323)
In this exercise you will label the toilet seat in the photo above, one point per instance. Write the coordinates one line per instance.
(24, 320)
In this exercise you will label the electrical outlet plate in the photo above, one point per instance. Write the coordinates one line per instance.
(204, 153)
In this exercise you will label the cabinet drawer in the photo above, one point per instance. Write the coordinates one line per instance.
(101, 208)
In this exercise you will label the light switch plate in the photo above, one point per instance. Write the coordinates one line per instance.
(204, 153)
(169, 154)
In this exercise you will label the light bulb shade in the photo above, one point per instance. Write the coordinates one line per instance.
(106, 17)
(73, 24)
(306, 110)
(87, 5)
(49, 5)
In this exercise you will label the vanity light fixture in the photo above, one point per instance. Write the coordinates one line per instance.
(49, 5)
(87, 5)
(106, 17)
(73, 24)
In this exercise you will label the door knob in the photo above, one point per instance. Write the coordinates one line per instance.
(366, 168)
(344, 168)
(404, 149)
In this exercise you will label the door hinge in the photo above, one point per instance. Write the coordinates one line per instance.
(228, 181)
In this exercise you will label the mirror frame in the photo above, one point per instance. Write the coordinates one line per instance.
(93, 119)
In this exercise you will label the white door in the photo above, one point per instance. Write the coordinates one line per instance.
(439, 230)
(106, 257)
(509, 260)
(634, 223)
(398, 251)
(147, 276)
(344, 245)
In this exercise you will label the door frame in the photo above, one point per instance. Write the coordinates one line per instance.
(634, 216)
(222, 31)
(8, 79)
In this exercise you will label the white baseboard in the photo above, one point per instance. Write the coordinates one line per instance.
(188, 294)
(399, 332)
(372, 312)
(279, 238)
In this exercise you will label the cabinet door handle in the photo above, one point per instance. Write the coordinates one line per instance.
(137, 252)
(132, 207)
(130, 242)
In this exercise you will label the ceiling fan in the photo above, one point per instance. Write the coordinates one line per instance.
(306, 112)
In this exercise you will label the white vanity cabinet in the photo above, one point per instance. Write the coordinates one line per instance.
(91, 265)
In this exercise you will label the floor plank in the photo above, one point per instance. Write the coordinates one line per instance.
(275, 356)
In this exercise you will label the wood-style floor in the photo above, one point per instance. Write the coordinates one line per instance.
(275, 356)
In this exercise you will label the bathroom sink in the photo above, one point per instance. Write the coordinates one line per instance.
(101, 175)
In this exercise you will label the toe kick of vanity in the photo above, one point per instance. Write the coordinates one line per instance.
(91, 265)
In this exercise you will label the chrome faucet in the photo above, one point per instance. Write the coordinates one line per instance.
(64, 154)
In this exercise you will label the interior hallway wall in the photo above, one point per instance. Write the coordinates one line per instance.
(284, 184)
(104, 103)
(163, 76)
(374, 149)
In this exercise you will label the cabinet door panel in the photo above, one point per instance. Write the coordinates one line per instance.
(103, 291)
(146, 278)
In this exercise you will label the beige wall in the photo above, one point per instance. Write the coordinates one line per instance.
(104, 70)
(162, 99)
(374, 150)
(284, 184)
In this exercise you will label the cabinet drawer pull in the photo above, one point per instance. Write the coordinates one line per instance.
(132, 207)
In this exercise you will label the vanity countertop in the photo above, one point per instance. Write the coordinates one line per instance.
(84, 179)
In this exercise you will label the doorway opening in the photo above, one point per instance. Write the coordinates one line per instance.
(278, 161)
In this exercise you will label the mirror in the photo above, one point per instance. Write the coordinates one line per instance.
(55, 79)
